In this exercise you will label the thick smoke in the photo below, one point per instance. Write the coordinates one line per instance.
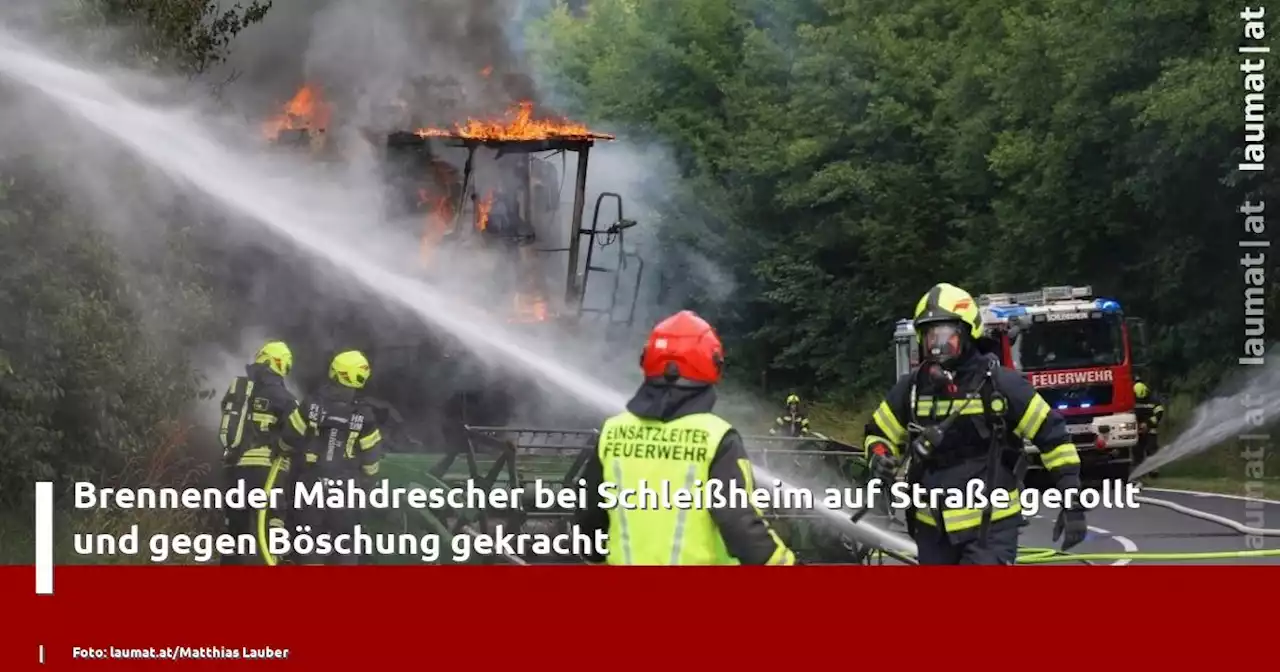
(392, 64)
(403, 64)
(349, 259)
(388, 66)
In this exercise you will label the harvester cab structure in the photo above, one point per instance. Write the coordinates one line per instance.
(497, 183)
(1080, 353)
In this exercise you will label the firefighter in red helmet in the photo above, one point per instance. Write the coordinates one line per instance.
(669, 433)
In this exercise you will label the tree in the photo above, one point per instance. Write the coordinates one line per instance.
(859, 151)
(186, 37)
(95, 378)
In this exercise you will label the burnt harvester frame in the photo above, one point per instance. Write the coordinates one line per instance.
(510, 456)
(575, 291)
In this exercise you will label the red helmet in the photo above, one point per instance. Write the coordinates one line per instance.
(683, 346)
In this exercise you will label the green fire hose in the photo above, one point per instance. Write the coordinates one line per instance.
(1036, 556)
(1040, 556)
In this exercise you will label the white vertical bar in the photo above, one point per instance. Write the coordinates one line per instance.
(42, 654)
(44, 538)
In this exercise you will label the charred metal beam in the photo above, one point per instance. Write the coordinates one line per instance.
(294, 136)
(570, 144)
(573, 292)
(406, 139)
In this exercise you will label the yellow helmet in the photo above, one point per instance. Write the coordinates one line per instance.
(1140, 390)
(948, 303)
(349, 369)
(793, 399)
(277, 356)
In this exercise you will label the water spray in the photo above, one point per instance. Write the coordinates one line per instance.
(1223, 418)
(184, 148)
(176, 143)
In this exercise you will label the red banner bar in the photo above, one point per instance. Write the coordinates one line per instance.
(588, 617)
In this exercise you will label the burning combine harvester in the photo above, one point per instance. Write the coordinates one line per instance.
(495, 185)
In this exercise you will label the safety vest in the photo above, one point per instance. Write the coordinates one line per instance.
(634, 449)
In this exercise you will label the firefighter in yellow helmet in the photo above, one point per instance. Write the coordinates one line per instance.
(1149, 408)
(793, 422)
(343, 448)
(669, 433)
(261, 427)
(958, 416)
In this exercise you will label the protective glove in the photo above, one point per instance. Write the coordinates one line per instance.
(1071, 528)
(883, 464)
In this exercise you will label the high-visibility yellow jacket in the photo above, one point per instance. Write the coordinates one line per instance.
(963, 453)
(669, 435)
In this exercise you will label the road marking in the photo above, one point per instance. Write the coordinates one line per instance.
(1200, 493)
(1127, 543)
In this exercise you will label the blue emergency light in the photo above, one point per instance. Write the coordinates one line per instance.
(1006, 312)
(1107, 305)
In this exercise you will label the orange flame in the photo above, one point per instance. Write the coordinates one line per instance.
(530, 307)
(520, 125)
(483, 206)
(305, 111)
(436, 223)
(488, 70)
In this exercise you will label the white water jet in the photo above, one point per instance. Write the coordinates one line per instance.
(1248, 411)
(299, 211)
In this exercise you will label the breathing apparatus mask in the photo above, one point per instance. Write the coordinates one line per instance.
(941, 344)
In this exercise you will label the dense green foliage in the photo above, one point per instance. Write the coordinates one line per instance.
(94, 344)
(187, 36)
(837, 156)
(844, 155)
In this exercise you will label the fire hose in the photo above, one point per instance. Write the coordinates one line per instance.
(1044, 556)
(1039, 556)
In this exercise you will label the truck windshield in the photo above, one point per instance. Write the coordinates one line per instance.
(1070, 344)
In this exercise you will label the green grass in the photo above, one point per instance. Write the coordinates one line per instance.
(845, 424)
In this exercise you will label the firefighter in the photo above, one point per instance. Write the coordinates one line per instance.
(261, 426)
(958, 416)
(1150, 411)
(342, 450)
(793, 422)
(669, 433)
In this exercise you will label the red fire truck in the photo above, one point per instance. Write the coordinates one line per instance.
(1080, 352)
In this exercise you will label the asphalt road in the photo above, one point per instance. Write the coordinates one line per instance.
(1155, 529)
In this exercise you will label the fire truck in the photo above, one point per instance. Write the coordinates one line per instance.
(1079, 351)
